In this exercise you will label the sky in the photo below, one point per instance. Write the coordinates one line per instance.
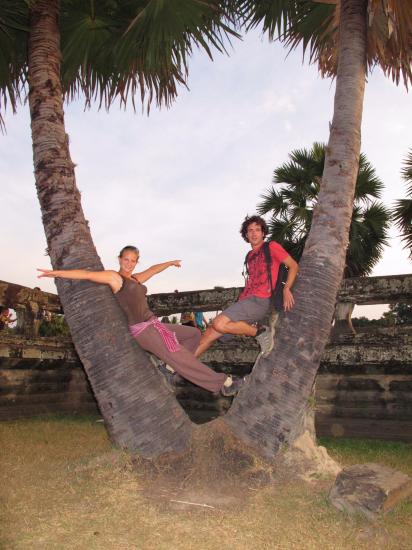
(179, 182)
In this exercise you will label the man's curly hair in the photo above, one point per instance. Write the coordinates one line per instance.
(253, 219)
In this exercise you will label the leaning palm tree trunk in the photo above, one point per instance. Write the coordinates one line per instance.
(268, 412)
(139, 413)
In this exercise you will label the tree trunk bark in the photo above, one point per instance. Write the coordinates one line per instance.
(139, 412)
(267, 410)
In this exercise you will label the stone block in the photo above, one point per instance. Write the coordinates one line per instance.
(370, 489)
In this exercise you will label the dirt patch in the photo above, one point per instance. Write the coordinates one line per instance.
(218, 471)
(206, 500)
(214, 458)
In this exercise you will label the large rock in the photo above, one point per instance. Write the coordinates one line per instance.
(369, 489)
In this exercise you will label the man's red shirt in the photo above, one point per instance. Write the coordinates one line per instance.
(257, 283)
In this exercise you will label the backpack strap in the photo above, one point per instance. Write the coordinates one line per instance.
(277, 290)
(277, 296)
(245, 271)
(268, 260)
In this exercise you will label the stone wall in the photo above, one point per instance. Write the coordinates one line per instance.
(364, 385)
(363, 389)
(42, 376)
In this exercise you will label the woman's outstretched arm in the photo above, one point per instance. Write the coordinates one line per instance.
(155, 269)
(109, 277)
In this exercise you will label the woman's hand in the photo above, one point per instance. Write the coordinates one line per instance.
(176, 263)
(46, 273)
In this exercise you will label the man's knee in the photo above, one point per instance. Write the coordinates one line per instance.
(209, 335)
(220, 324)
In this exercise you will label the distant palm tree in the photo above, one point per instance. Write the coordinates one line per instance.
(402, 213)
(291, 208)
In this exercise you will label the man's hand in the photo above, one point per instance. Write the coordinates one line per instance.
(288, 299)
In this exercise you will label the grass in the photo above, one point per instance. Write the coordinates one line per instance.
(394, 454)
(63, 486)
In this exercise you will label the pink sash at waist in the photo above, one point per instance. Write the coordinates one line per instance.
(169, 337)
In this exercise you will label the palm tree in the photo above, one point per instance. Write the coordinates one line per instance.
(291, 208)
(53, 50)
(346, 38)
(402, 213)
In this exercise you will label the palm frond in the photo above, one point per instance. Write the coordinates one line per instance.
(302, 215)
(303, 172)
(273, 16)
(88, 37)
(314, 24)
(367, 236)
(402, 212)
(156, 43)
(296, 197)
(390, 38)
(14, 20)
(402, 216)
(368, 184)
(273, 201)
(290, 173)
(406, 172)
(288, 234)
(282, 229)
(118, 48)
(376, 218)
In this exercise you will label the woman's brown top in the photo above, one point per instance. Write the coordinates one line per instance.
(133, 301)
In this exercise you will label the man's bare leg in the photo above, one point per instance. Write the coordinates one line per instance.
(223, 325)
(208, 337)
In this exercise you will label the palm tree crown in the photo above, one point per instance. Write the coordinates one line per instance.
(315, 25)
(402, 213)
(291, 208)
(115, 48)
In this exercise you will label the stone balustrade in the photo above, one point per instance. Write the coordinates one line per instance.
(357, 291)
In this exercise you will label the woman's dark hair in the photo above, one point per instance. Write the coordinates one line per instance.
(253, 219)
(129, 248)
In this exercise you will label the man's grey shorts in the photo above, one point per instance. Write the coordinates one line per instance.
(250, 309)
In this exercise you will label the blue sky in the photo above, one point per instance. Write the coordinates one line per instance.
(179, 182)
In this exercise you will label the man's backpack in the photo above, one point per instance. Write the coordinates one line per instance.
(276, 298)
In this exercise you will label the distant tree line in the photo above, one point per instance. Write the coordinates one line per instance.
(398, 314)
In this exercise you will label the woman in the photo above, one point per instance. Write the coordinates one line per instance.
(173, 344)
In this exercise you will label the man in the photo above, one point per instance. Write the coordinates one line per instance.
(242, 317)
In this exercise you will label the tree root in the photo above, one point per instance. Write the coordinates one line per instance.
(216, 458)
(308, 460)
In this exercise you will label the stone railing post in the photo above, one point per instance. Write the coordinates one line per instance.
(343, 319)
(26, 319)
